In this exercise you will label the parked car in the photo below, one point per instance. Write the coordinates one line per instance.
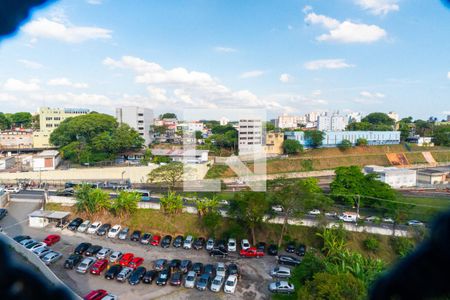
(221, 269)
(219, 252)
(41, 251)
(189, 281)
(20, 238)
(166, 241)
(280, 272)
(103, 230)
(94, 227)
(283, 287)
(221, 244)
(176, 279)
(26, 242)
(150, 276)
(199, 243)
(93, 250)
(99, 266)
(124, 274)
(178, 241)
(197, 268)
(113, 271)
(251, 252)
(81, 248)
(261, 246)
(104, 253)
(136, 236)
(72, 261)
(96, 295)
(185, 265)
(230, 284)
(314, 212)
(233, 269)
(145, 238)
(110, 297)
(137, 275)
(116, 256)
(209, 269)
(84, 226)
(136, 262)
(415, 223)
(174, 264)
(114, 231)
(277, 208)
(290, 248)
(123, 234)
(301, 250)
(288, 260)
(217, 283)
(272, 250)
(65, 192)
(160, 264)
(245, 244)
(36, 245)
(126, 259)
(74, 224)
(203, 282)
(163, 277)
(155, 240)
(85, 265)
(209, 244)
(187, 244)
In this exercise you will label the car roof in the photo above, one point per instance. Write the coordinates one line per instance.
(232, 277)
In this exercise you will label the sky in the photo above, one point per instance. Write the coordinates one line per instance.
(283, 56)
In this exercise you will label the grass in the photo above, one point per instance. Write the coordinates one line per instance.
(426, 207)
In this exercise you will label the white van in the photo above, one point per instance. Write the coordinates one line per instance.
(349, 217)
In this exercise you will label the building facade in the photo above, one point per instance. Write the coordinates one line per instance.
(274, 143)
(333, 122)
(285, 121)
(250, 136)
(395, 177)
(46, 160)
(394, 116)
(138, 118)
(18, 138)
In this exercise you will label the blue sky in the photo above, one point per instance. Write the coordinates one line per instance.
(285, 56)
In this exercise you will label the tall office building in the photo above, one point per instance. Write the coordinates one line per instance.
(333, 122)
(138, 118)
(250, 136)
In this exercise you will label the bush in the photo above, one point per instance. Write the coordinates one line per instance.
(361, 142)
(292, 147)
(372, 244)
(344, 145)
(307, 165)
(402, 246)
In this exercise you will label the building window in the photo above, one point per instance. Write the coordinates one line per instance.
(48, 118)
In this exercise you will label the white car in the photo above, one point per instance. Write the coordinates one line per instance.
(277, 208)
(281, 287)
(231, 246)
(41, 251)
(115, 256)
(245, 244)
(388, 220)
(103, 253)
(110, 297)
(415, 223)
(331, 214)
(114, 231)
(221, 269)
(12, 189)
(217, 283)
(189, 281)
(314, 212)
(209, 244)
(94, 227)
(280, 272)
(230, 284)
(38, 245)
(84, 226)
(187, 244)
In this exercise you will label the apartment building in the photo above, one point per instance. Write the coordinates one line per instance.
(331, 122)
(250, 136)
(18, 138)
(286, 121)
(49, 120)
(138, 118)
(274, 143)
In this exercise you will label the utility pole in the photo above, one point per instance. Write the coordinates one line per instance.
(358, 200)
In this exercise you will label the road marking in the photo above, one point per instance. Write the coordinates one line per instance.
(16, 224)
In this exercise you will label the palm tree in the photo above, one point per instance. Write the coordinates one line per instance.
(126, 203)
(91, 200)
(172, 203)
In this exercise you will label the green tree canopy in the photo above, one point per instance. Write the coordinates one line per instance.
(168, 116)
(362, 142)
(168, 174)
(442, 135)
(376, 121)
(314, 138)
(5, 122)
(292, 146)
(345, 144)
(378, 118)
(21, 119)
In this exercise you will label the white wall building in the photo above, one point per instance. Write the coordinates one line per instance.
(7, 163)
(394, 116)
(312, 116)
(250, 136)
(354, 117)
(138, 118)
(224, 121)
(395, 177)
(333, 122)
(286, 121)
(46, 160)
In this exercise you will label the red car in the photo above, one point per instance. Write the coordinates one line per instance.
(99, 266)
(136, 262)
(96, 295)
(155, 240)
(52, 239)
(126, 259)
(251, 252)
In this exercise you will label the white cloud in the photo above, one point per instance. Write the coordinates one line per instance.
(225, 49)
(251, 74)
(378, 7)
(7, 97)
(285, 78)
(367, 97)
(21, 86)
(346, 31)
(306, 9)
(30, 64)
(371, 95)
(337, 63)
(62, 81)
(448, 75)
(94, 2)
(57, 30)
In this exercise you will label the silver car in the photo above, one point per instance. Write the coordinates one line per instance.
(115, 256)
(85, 265)
(36, 246)
(280, 272)
(51, 257)
(189, 281)
(283, 287)
(84, 226)
(123, 234)
(27, 242)
(221, 269)
(209, 244)
(103, 253)
(124, 274)
(217, 283)
(41, 251)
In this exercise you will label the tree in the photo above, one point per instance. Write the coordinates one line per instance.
(147, 157)
(198, 135)
(292, 146)
(442, 135)
(168, 174)
(269, 126)
(161, 130)
(211, 221)
(314, 138)
(344, 145)
(91, 201)
(172, 203)
(311, 264)
(21, 119)
(168, 116)
(5, 122)
(125, 204)
(249, 208)
(378, 118)
(206, 205)
(362, 142)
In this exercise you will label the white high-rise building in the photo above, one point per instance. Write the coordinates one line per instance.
(138, 118)
(286, 121)
(250, 136)
(354, 117)
(312, 116)
(333, 122)
(394, 116)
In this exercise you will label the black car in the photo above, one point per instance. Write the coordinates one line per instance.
(81, 248)
(199, 243)
(113, 271)
(185, 265)
(290, 248)
(150, 276)
(209, 269)
(163, 277)
(145, 238)
(174, 264)
(3, 213)
(221, 244)
(137, 276)
(93, 250)
(197, 268)
(73, 225)
(178, 241)
(160, 264)
(261, 246)
(219, 252)
(20, 238)
(72, 261)
(136, 236)
(176, 279)
(288, 260)
(66, 192)
(232, 269)
(166, 241)
(301, 250)
(272, 250)
(103, 229)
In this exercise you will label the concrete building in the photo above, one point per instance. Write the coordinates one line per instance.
(274, 143)
(250, 136)
(138, 118)
(224, 121)
(432, 176)
(334, 138)
(18, 138)
(191, 126)
(185, 156)
(394, 116)
(49, 120)
(7, 163)
(46, 160)
(421, 141)
(395, 177)
(290, 122)
(41, 218)
(331, 122)
(312, 116)
(354, 117)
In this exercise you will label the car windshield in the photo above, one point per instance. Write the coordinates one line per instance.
(163, 275)
(216, 281)
(190, 278)
(230, 283)
(83, 265)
